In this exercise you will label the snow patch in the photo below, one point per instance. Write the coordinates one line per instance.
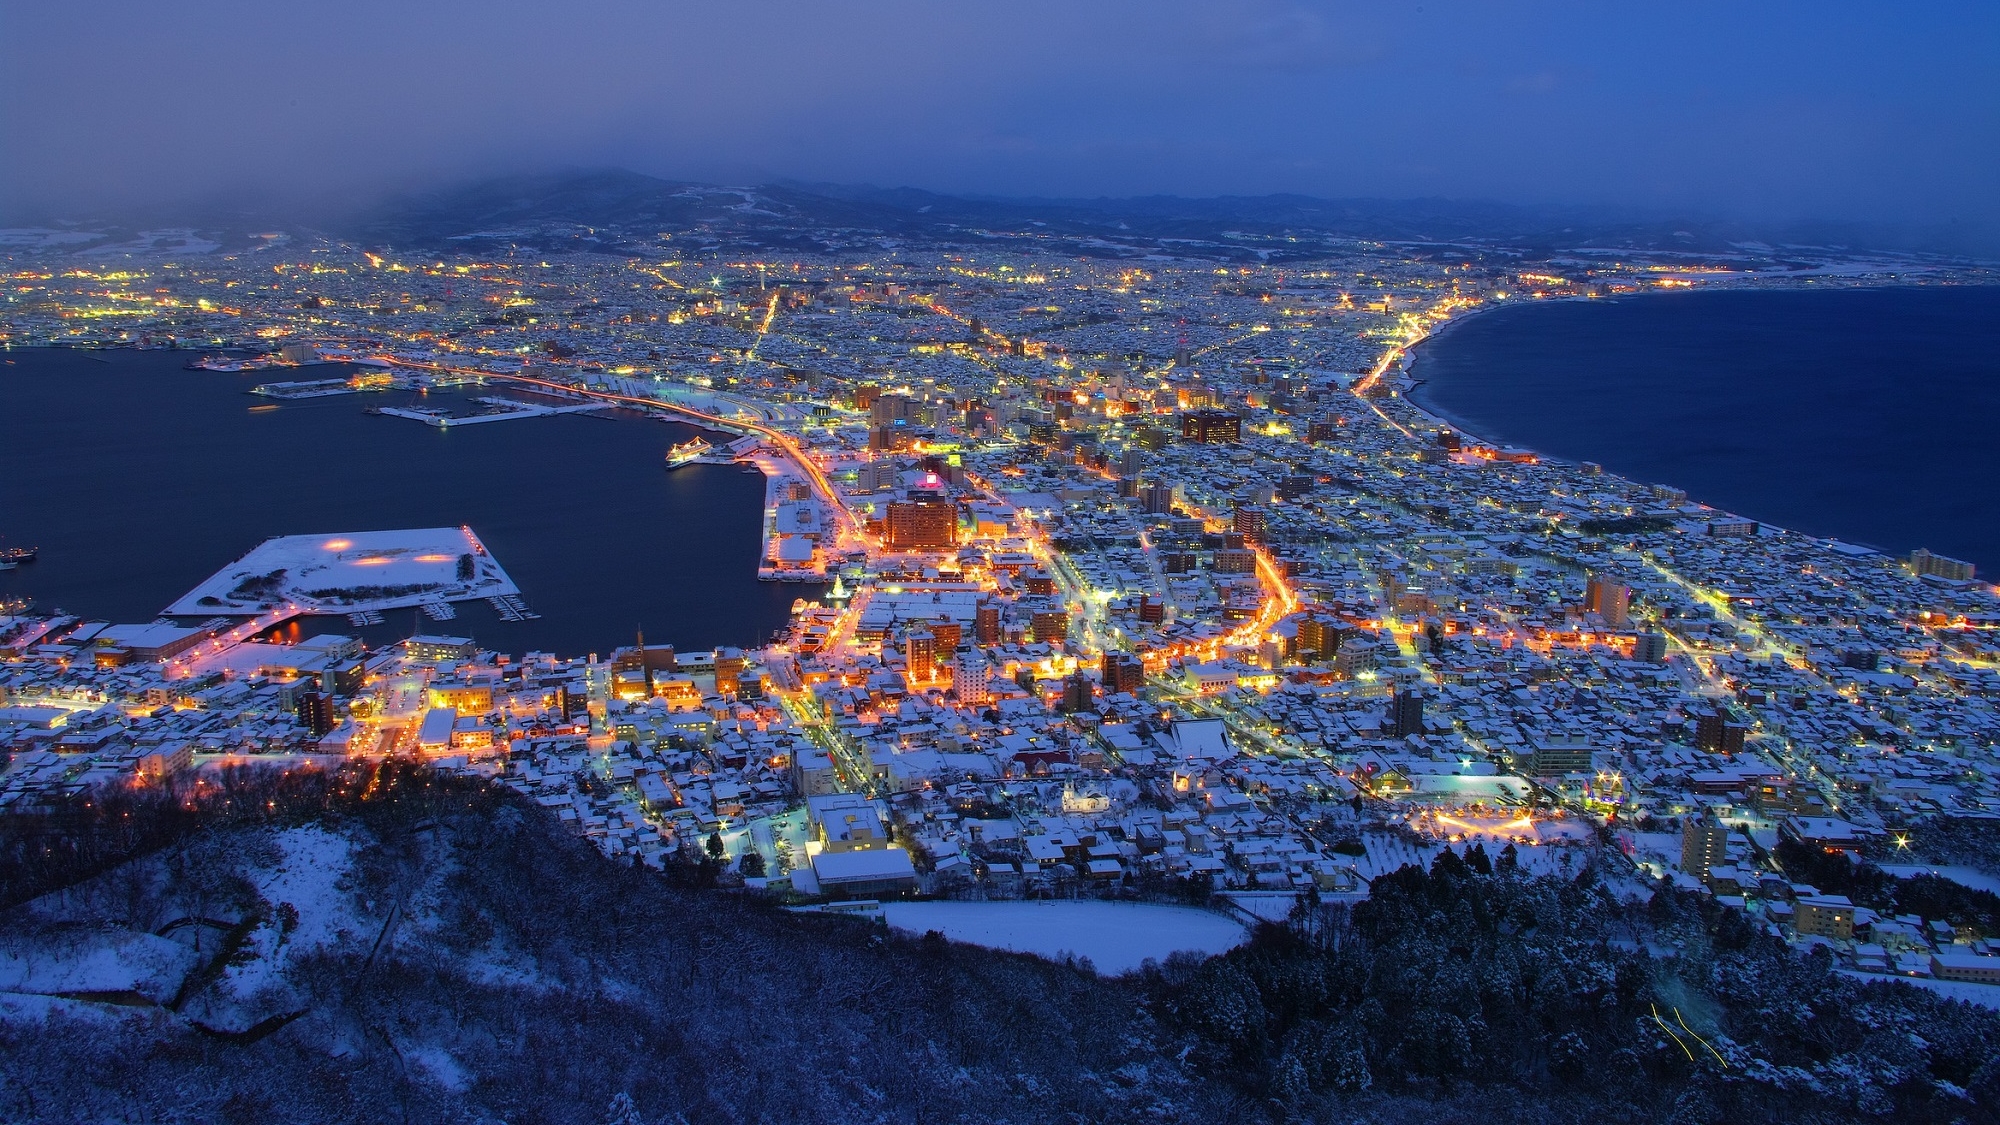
(99, 961)
(1117, 936)
(438, 1063)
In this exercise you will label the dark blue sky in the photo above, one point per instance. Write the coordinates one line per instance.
(1765, 109)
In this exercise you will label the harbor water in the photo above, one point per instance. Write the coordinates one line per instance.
(138, 479)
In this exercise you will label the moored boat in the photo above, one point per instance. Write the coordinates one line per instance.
(688, 452)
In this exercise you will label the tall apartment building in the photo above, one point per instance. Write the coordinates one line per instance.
(1704, 844)
(972, 676)
(1957, 570)
(1609, 600)
(1406, 712)
(1122, 672)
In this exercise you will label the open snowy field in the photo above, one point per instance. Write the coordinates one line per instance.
(349, 571)
(1964, 876)
(1116, 936)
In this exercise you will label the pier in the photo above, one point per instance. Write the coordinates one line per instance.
(514, 408)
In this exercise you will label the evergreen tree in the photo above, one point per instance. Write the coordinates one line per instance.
(1475, 858)
(1448, 865)
(623, 1111)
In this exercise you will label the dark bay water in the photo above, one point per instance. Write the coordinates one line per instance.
(138, 479)
(1864, 414)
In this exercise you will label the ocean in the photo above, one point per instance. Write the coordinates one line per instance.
(1859, 414)
(137, 479)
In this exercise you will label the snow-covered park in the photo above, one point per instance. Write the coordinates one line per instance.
(1117, 937)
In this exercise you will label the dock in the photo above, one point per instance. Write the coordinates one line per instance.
(514, 409)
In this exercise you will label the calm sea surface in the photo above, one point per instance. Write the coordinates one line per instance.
(138, 479)
(1863, 414)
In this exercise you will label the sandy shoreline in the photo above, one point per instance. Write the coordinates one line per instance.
(1415, 398)
(1420, 402)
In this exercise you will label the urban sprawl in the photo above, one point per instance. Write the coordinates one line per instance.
(1140, 576)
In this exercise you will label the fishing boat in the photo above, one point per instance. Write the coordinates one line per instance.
(688, 452)
(18, 555)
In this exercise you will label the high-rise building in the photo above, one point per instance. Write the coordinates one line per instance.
(923, 523)
(986, 624)
(1704, 844)
(1650, 647)
(948, 633)
(972, 676)
(1211, 427)
(1557, 754)
(1236, 561)
(1956, 570)
(1077, 696)
(316, 713)
(1122, 672)
(1609, 600)
(1157, 498)
(1320, 636)
(920, 651)
(1406, 712)
(887, 410)
(1252, 524)
(1050, 626)
(1715, 732)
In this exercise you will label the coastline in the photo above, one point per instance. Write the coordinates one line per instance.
(1421, 403)
(1429, 408)
(1420, 396)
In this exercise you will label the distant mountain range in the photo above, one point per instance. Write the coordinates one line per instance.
(623, 212)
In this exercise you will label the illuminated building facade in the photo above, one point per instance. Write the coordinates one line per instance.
(921, 524)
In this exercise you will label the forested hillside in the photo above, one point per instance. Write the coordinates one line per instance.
(391, 945)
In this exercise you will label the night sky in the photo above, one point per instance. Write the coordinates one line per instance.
(1824, 109)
